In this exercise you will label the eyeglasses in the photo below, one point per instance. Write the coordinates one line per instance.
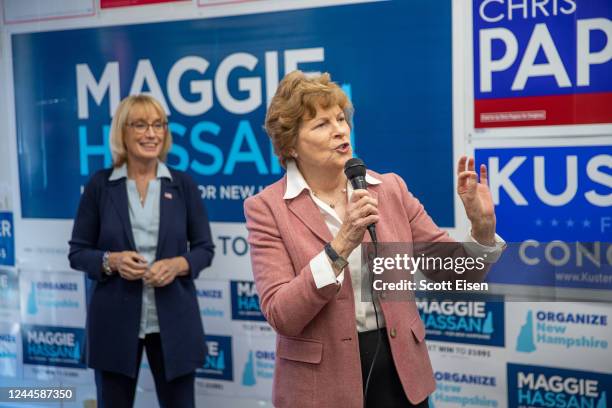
(143, 127)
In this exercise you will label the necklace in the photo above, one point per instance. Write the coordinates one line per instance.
(331, 204)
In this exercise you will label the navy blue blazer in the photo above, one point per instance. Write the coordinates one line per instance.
(113, 318)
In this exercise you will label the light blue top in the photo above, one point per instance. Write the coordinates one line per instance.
(145, 229)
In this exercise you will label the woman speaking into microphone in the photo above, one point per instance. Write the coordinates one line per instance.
(305, 234)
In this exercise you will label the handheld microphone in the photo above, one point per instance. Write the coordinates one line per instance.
(355, 171)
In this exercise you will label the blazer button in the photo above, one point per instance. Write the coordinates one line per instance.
(393, 333)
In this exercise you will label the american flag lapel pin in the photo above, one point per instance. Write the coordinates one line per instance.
(168, 195)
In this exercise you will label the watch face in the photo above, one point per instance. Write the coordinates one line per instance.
(340, 263)
(107, 269)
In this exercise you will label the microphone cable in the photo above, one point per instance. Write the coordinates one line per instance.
(378, 331)
(355, 171)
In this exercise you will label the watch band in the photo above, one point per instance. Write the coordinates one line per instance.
(338, 262)
(106, 264)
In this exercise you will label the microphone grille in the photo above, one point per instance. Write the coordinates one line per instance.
(354, 168)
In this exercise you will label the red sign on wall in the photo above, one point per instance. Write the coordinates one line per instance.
(125, 3)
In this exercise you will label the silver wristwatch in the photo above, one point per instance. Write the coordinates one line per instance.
(338, 262)
(106, 263)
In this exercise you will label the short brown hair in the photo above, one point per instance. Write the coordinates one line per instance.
(297, 99)
(119, 124)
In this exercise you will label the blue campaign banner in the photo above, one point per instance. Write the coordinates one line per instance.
(539, 63)
(53, 346)
(7, 239)
(556, 264)
(552, 28)
(532, 386)
(215, 77)
(245, 301)
(551, 193)
(219, 361)
(477, 319)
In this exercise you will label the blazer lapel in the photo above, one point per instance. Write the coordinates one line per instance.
(168, 198)
(118, 193)
(306, 210)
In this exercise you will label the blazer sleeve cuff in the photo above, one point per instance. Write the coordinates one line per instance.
(195, 266)
(490, 253)
(94, 265)
(323, 273)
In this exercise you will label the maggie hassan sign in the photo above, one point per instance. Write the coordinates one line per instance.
(215, 77)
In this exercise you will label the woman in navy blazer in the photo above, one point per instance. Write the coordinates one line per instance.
(142, 235)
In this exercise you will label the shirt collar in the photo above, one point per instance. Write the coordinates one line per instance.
(121, 172)
(296, 182)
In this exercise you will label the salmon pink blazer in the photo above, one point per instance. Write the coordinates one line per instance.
(317, 348)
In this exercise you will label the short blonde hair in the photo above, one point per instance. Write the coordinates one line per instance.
(119, 125)
(296, 100)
